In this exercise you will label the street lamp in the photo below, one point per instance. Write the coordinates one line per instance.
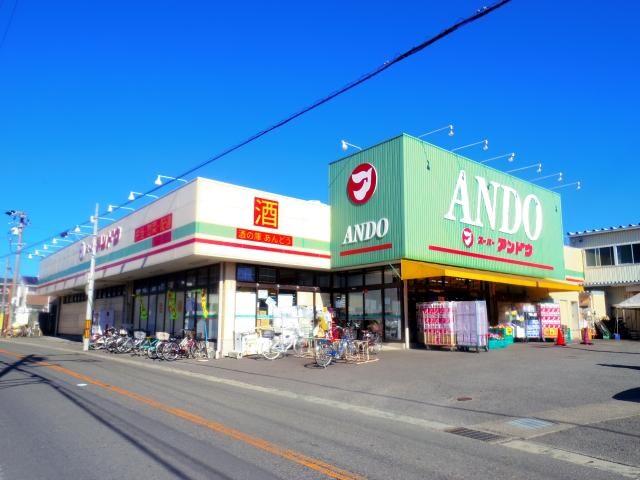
(345, 145)
(511, 157)
(90, 281)
(160, 177)
(21, 221)
(535, 165)
(450, 127)
(132, 195)
(484, 143)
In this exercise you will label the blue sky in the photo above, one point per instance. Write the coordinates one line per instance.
(96, 98)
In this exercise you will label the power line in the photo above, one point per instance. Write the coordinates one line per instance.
(368, 76)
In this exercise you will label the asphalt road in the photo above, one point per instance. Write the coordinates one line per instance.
(83, 416)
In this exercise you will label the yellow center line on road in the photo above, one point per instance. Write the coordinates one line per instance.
(315, 464)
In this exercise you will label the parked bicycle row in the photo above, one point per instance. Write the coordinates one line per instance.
(338, 344)
(162, 346)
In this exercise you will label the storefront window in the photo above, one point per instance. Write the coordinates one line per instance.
(323, 280)
(373, 310)
(267, 275)
(339, 280)
(151, 321)
(245, 320)
(246, 273)
(305, 279)
(356, 307)
(373, 277)
(191, 279)
(160, 316)
(203, 277)
(178, 324)
(340, 306)
(391, 274)
(287, 277)
(354, 280)
(392, 315)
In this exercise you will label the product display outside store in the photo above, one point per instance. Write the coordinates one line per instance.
(549, 316)
(453, 324)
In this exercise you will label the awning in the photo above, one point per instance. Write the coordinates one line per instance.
(411, 269)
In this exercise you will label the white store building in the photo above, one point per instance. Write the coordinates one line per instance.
(211, 247)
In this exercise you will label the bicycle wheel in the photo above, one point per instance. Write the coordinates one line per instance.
(274, 350)
(323, 354)
(299, 346)
(375, 345)
(350, 351)
(170, 351)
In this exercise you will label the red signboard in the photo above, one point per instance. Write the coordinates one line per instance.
(272, 238)
(153, 228)
(265, 213)
(160, 239)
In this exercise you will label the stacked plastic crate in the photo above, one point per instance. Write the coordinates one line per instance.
(549, 316)
(471, 325)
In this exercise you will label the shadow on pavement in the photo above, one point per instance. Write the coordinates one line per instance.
(631, 395)
(108, 419)
(630, 367)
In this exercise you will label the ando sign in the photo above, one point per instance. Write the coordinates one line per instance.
(425, 203)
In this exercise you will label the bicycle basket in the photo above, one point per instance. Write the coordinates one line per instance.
(162, 336)
(123, 331)
(267, 334)
(139, 334)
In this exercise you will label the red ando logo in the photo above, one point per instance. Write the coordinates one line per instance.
(362, 183)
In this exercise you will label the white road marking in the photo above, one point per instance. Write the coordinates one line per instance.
(521, 445)
(575, 458)
(81, 385)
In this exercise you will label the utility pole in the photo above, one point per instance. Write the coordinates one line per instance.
(90, 282)
(22, 222)
(3, 313)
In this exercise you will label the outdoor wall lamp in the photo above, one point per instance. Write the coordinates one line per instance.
(118, 207)
(450, 127)
(535, 165)
(346, 145)
(132, 195)
(511, 157)
(160, 177)
(484, 143)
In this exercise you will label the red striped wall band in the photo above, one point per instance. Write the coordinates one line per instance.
(489, 257)
(374, 248)
(187, 242)
(574, 279)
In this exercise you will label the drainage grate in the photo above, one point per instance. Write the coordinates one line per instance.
(530, 423)
(475, 434)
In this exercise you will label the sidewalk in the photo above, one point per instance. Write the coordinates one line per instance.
(455, 388)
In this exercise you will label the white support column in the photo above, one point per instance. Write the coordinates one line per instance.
(405, 303)
(227, 314)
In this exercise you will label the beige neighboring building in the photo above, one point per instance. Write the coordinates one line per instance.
(611, 259)
(571, 313)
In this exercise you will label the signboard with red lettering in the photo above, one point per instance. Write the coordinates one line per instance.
(263, 237)
(265, 213)
(153, 228)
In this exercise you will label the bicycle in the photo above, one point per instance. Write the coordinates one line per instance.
(327, 351)
(282, 342)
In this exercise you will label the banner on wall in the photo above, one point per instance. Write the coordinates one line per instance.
(203, 303)
(171, 304)
(144, 313)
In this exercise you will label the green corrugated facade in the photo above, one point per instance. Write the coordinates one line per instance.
(429, 197)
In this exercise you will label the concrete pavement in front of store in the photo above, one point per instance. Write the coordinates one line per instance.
(581, 399)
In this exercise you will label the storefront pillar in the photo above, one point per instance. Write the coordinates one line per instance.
(227, 308)
(405, 313)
